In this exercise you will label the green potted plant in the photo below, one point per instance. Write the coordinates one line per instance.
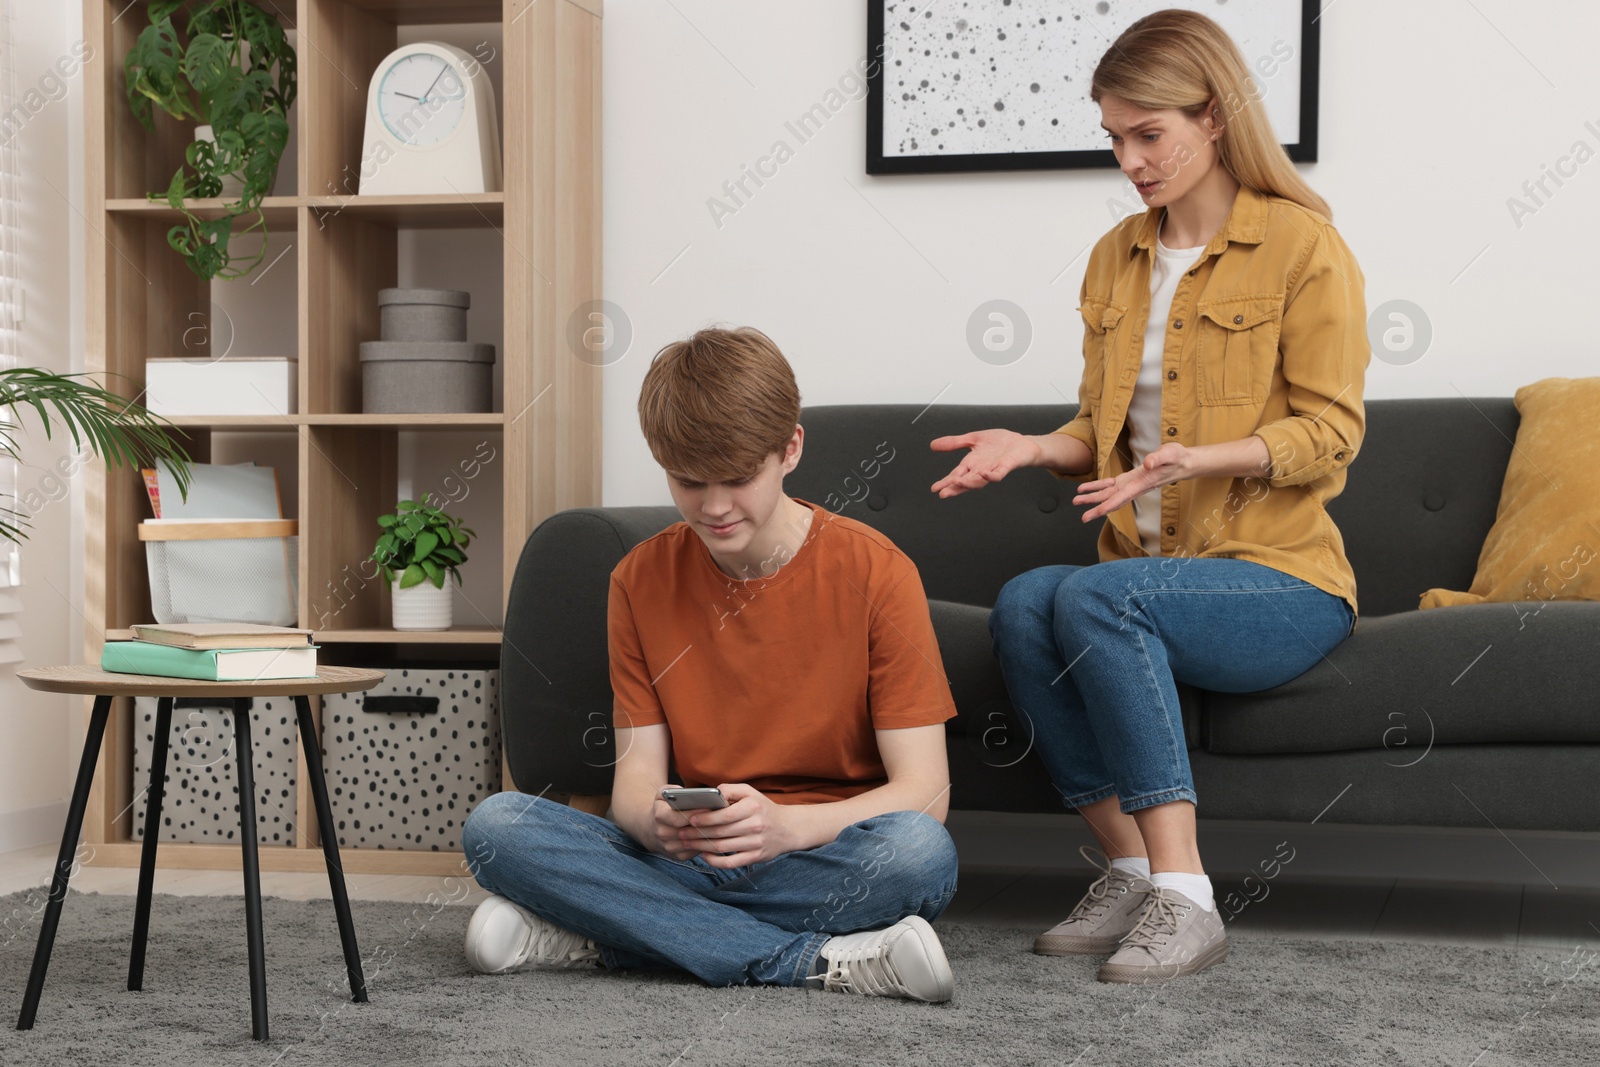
(109, 425)
(420, 544)
(231, 70)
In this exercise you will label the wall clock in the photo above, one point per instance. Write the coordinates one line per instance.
(431, 124)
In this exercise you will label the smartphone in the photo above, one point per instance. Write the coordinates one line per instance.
(682, 799)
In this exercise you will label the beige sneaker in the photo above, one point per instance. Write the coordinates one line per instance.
(1173, 937)
(1105, 915)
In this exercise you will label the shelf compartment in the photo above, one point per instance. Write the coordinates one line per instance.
(353, 254)
(131, 160)
(348, 475)
(348, 260)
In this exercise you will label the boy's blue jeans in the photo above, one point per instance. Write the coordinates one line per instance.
(1091, 656)
(762, 923)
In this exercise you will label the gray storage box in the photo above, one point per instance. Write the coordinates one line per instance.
(200, 801)
(407, 761)
(422, 376)
(423, 314)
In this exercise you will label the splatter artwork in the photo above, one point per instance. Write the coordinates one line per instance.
(1012, 76)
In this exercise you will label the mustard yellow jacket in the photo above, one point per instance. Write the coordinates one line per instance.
(1267, 335)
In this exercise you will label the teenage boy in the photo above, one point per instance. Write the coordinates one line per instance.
(782, 654)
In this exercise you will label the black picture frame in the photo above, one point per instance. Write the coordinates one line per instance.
(1303, 150)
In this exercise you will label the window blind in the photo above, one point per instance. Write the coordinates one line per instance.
(10, 348)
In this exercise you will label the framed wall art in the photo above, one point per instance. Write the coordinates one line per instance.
(973, 85)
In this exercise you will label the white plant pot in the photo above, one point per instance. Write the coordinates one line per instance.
(232, 184)
(422, 607)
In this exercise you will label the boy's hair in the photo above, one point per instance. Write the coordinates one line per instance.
(715, 406)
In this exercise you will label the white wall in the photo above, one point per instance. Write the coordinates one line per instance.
(1432, 116)
(41, 735)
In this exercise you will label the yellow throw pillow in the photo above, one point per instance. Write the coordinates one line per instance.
(1546, 534)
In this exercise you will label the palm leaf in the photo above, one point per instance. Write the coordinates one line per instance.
(116, 429)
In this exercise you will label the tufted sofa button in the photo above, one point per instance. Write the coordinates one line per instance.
(1047, 504)
(877, 501)
(1433, 501)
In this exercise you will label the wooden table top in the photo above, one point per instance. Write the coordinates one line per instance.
(92, 681)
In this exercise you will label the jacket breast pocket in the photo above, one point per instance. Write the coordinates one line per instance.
(1100, 319)
(1237, 348)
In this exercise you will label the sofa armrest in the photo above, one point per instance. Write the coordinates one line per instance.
(555, 687)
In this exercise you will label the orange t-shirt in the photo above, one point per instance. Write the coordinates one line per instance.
(778, 682)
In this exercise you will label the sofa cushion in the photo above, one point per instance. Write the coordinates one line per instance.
(1545, 528)
(1403, 681)
(985, 721)
(1421, 496)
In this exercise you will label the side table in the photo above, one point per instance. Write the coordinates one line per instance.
(103, 686)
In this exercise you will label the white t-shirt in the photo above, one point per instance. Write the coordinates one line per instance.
(1144, 410)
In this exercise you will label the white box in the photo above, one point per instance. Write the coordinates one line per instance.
(244, 385)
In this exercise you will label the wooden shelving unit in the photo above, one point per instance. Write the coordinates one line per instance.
(346, 248)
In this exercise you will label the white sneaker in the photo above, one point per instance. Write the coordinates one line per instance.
(903, 960)
(504, 936)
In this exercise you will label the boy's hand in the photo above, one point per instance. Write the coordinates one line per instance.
(667, 828)
(750, 829)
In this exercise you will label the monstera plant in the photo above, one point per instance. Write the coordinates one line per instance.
(232, 68)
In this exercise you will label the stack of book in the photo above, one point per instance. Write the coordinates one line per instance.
(213, 652)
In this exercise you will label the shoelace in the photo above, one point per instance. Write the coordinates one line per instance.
(1158, 921)
(550, 944)
(858, 972)
(1098, 899)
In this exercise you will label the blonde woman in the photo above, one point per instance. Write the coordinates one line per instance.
(1224, 352)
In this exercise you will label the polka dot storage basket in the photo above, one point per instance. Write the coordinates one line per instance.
(200, 801)
(406, 762)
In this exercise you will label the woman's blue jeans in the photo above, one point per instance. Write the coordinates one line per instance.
(762, 923)
(1091, 657)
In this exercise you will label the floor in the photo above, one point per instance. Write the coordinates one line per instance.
(1305, 905)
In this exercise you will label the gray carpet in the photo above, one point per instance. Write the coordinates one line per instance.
(1274, 1001)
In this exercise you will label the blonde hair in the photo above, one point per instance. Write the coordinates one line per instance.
(1181, 59)
(716, 405)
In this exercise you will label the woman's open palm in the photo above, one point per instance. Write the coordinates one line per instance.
(994, 454)
(1166, 464)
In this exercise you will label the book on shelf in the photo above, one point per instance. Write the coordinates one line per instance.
(222, 635)
(208, 664)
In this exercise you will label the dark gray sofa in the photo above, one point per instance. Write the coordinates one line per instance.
(1466, 716)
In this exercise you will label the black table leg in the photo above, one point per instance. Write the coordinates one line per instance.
(252, 868)
(152, 835)
(64, 860)
(330, 850)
